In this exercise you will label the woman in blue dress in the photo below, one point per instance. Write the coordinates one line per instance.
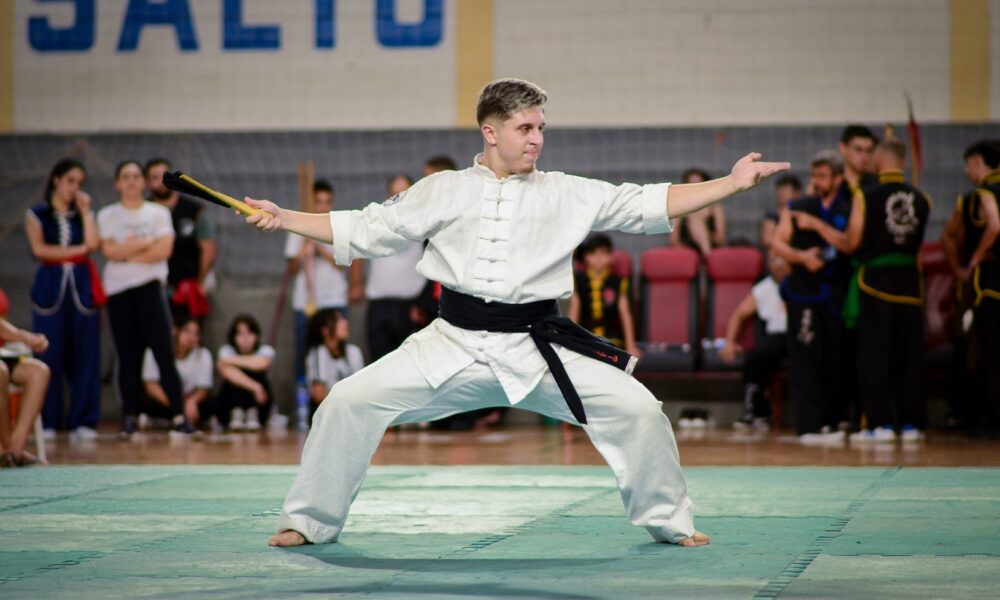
(66, 299)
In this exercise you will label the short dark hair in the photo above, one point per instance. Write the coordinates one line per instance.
(596, 242)
(856, 131)
(504, 97)
(989, 149)
(790, 180)
(182, 316)
(322, 185)
(155, 162)
(695, 171)
(441, 162)
(251, 324)
(325, 318)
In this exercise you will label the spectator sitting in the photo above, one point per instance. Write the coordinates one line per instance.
(787, 188)
(245, 398)
(330, 357)
(600, 300)
(32, 376)
(702, 230)
(194, 365)
(764, 301)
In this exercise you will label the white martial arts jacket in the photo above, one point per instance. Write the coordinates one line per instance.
(508, 240)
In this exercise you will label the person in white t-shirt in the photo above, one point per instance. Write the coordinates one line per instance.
(330, 358)
(501, 235)
(137, 237)
(392, 289)
(245, 398)
(319, 281)
(194, 365)
(770, 349)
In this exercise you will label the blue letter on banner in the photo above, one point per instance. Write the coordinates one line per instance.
(326, 23)
(172, 12)
(78, 37)
(236, 36)
(425, 33)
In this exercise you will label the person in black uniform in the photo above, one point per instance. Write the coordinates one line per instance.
(195, 246)
(886, 300)
(600, 301)
(972, 244)
(856, 147)
(814, 298)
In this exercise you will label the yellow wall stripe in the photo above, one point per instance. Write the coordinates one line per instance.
(473, 56)
(6, 66)
(970, 60)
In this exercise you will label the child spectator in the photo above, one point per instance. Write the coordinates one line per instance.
(194, 365)
(600, 300)
(330, 357)
(245, 399)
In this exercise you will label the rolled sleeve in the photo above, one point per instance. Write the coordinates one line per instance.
(654, 208)
(340, 225)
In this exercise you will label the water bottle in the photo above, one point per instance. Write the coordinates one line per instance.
(302, 405)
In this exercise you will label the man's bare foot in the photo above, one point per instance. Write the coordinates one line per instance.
(289, 537)
(698, 539)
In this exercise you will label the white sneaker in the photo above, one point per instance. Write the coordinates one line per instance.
(881, 435)
(83, 434)
(144, 421)
(237, 419)
(252, 422)
(49, 434)
(911, 434)
(823, 438)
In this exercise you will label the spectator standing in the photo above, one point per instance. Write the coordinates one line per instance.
(66, 297)
(136, 238)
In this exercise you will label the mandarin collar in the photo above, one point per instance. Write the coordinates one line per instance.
(483, 171)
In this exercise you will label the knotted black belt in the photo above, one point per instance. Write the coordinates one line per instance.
(542, 322)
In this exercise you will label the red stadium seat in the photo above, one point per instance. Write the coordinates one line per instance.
(622, 265)
(732, 272)
(940, 304)
(670, 309)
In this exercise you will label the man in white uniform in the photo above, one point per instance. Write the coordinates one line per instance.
(501, 238)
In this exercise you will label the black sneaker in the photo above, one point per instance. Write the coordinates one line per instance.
(183, 429)
(129, 426)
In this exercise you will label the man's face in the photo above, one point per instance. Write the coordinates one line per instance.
(857, 154)
(322, 202)
(519, 139)
(975, 168)
(154, 180)
(824, 182)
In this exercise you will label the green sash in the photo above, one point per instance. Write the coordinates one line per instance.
(852, 304)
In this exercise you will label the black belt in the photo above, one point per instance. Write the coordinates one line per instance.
(542, 322)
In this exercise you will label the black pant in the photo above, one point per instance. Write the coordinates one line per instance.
(388, 325)
(847, 398)
(232, 396)
(984, 407)
(890, 363)
(814, 363)
(139, 320)
(758, 367)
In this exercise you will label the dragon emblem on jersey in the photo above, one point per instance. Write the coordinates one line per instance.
(900, 216)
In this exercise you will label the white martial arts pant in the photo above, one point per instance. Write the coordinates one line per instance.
(625, 424)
